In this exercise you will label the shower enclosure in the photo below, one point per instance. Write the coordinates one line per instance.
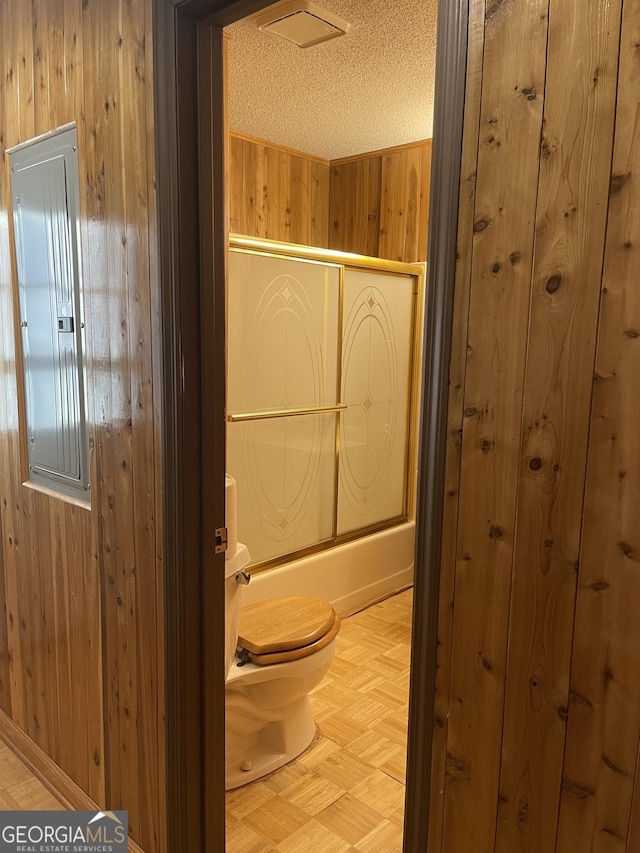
(319, 403)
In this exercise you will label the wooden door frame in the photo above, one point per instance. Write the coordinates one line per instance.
(188, 86)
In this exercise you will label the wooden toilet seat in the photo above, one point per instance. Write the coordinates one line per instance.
(285, 629)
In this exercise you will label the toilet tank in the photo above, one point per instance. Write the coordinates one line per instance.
(233, 601)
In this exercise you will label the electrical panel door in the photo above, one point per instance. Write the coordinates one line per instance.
(44, 185)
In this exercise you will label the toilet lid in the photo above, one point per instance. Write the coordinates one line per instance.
(283, 624)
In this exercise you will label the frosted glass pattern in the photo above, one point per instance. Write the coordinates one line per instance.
(293, 324)
(376, 378)
(282, 354)
(283, 333)
(285, 473)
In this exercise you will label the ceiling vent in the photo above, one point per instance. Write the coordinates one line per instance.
(301, 22)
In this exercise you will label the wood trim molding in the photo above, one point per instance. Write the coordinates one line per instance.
(55, 780)
(213, 250)
(381, 152)
(340, 161)
(175, 76)
(236, 134)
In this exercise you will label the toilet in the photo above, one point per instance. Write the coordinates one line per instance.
(276, 652)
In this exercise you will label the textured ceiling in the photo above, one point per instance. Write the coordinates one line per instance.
(371, 88)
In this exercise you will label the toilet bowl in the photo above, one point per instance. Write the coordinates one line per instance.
(276, 652)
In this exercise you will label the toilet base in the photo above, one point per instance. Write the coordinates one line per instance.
(252, 756)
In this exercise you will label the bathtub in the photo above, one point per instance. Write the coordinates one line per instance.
(350, 576)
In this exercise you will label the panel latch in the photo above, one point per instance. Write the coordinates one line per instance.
(221, 540)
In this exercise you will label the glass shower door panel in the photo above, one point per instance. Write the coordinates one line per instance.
(376, 374)
(282, 356)
(285, 474)
(283, 333)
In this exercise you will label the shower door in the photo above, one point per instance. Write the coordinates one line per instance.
(319, 391)
(377, 345)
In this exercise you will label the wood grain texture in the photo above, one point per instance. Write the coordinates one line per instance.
(6, 368)
(422, 232)
(604, 708)
(507, 176)
(5, 676)
(19, 789)
(156, 659)
(544, 603)
(633, 839)
(276, 193)
(82, 586)
(399, 213)
(380, 204)
(355, 206)
(455, 415)
(34, 781)
(107, 325)
(570, 226)
(373, 205)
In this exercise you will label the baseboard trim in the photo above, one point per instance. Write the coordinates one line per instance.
(55, 780)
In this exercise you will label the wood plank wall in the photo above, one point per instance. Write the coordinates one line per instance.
(376, 204)
(538, 696)
(80, 587)
(5, 673)
(380, 203)
(277, 193)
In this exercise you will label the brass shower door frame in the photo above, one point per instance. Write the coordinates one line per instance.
(345, 261)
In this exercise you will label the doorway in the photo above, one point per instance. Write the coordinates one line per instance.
(189, 85)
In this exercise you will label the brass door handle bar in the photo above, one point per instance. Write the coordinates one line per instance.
(284, 413)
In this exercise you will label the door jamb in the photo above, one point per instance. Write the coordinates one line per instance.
(192, 282)
(449, 101)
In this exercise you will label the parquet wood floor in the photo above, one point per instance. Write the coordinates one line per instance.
(19, 788)
(345, 793)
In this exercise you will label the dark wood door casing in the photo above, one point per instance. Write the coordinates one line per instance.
(190, 149)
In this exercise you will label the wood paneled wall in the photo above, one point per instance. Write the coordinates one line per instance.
(376, 204)
(277, 193)
(5, 683)
(538, 695)
(380, 203)
(80, 618)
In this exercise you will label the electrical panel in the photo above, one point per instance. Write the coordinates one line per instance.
(44, 187)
